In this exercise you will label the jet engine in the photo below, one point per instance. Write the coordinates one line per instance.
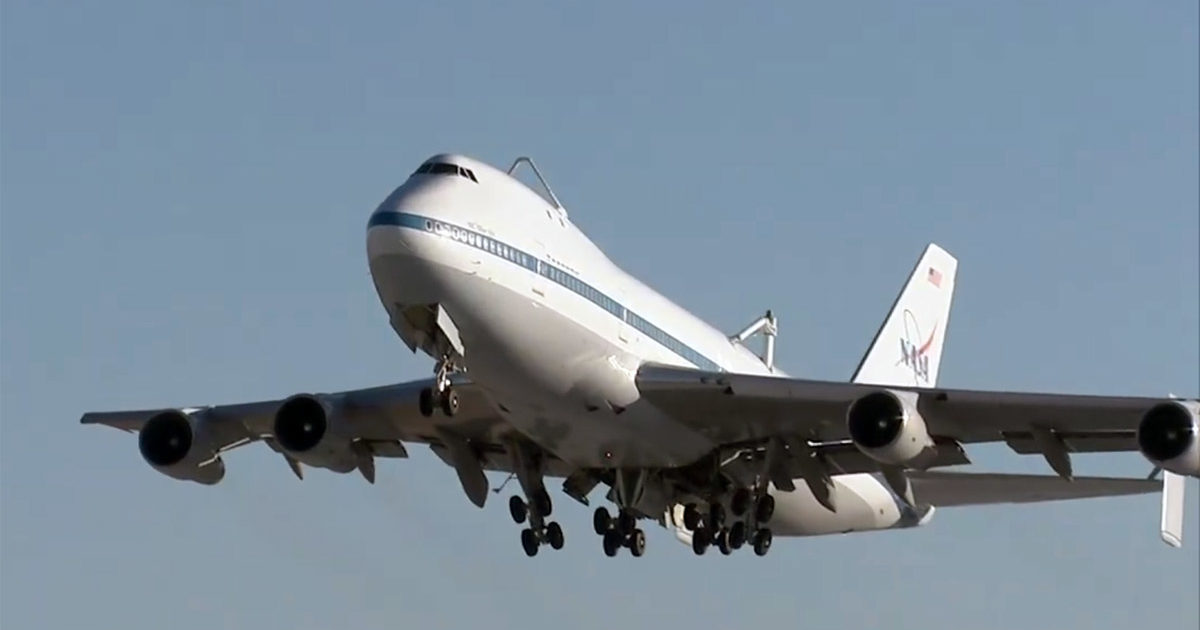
(172, 442)
(1169, 436)
(886, 427)
(308, 427)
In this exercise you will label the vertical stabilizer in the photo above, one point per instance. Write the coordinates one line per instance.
(907, 350)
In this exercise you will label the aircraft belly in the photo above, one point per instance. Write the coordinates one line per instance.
(562, 383)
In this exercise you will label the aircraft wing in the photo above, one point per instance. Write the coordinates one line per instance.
(372, 422)
(739, 408)
(736, 407)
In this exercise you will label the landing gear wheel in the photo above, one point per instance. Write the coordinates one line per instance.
(601, 521)
(691, 517)
(723, 542)
(554, 535)
(450, 402)
(626, 523)
(762, 542)
(425, 402)
(518, 509)
(765, 509)
(700, 541)
(529, 542)
(716, 516)
(637, 543)
(740, 502)
(541, 502)
(612, 543)
(737, 535)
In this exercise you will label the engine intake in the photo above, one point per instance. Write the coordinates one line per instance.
(886, 427)
(311, 429)
(166, 439)
(301, 423)
(1168, 436)
(170, 443)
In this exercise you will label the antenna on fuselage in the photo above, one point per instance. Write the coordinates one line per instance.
(553, 198)
(768, 326)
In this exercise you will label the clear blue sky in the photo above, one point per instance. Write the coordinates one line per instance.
(185, 190)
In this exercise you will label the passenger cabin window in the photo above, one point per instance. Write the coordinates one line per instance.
(445, 168)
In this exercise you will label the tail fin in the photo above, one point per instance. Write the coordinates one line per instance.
(907, 349)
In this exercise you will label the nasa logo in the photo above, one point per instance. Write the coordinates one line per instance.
(914, 356)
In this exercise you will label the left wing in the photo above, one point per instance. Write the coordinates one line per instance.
(341, 431)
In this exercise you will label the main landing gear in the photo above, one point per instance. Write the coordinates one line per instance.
(747, 525)
(618, 532)
(441, 395)
(539, 531)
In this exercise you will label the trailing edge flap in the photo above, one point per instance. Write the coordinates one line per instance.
(950, 489)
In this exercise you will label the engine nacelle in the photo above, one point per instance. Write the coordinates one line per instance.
(173, 443)
(309, 427)
(1169, 436)
(886, 427)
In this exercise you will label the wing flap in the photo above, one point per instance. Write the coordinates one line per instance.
(1025, 443)
(951, 489)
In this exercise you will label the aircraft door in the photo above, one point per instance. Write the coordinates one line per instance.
(538, 278)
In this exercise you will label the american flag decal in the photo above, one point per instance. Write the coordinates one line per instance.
(935, 277)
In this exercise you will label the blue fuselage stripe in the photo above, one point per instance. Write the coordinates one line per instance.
(556, 274)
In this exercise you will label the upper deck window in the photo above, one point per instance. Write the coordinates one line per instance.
(446, 168)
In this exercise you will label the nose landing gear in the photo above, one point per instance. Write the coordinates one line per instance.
(441, 395)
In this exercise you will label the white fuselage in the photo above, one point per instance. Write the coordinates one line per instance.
(551, 328)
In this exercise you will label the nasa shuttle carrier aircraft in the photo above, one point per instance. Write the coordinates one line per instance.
(553, 363)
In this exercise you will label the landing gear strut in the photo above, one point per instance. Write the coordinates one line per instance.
(536, 505)
(441, 395)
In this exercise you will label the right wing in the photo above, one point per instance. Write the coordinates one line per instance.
(348, 430)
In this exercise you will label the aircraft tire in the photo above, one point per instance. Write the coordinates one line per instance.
(450, 402)
(737, 535)
(762, 542)
(612, 543)
(529, 542)
(716, 516)
(554, 535)
(517, 509)
(601, 521)
(637, 543)
(691, 517)
(765, 509)
(541, 502)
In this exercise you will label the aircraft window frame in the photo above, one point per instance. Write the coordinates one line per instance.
(446, 168)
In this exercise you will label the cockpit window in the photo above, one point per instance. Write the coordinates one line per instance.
(445, 168)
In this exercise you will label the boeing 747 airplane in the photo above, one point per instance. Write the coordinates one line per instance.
(553, 363)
